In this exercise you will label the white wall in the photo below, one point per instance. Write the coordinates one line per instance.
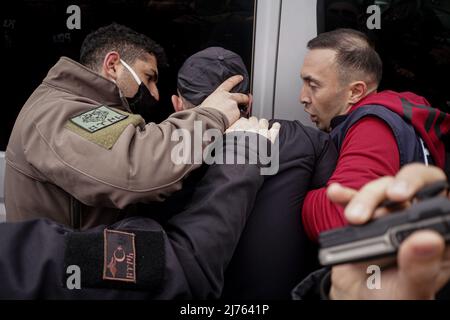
(265, 52)
(283, 27)
(298, 26)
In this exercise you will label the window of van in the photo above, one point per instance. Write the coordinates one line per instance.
(413, 42)
(34, 35)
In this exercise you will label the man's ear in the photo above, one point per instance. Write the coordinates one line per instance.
(358, 90)
(111, 65)
(177, 103)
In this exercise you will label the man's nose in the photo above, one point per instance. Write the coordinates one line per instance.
(304, 97)
(154, 91)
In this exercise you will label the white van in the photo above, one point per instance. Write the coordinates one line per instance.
(271, 36)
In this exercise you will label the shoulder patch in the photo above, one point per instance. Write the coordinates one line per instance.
(97, 119)
(102, 125)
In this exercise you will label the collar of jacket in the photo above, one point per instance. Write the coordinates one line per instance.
(337, 121)
(71, 76)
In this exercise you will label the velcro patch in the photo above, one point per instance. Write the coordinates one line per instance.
(119, 256)
(99, 118)
(88, 251)
(103, 125)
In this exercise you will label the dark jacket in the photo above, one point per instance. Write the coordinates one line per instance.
(274, 253)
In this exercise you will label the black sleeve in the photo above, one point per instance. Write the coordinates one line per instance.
(184, 259)
(315, 286)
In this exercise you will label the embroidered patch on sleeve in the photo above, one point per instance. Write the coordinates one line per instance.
(119, 256)
(103, 125)
(117, 259)
(98, 118)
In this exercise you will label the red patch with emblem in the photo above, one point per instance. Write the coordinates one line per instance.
(119, 256)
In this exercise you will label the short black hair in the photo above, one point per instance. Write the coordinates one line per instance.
(354, 52)
(130, 44)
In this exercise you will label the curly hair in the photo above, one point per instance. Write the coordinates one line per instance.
(130, 44)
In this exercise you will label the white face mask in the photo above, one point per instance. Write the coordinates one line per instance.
(133, 73)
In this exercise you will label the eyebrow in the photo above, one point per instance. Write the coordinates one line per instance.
(310, 78)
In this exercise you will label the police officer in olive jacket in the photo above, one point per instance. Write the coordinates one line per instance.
(81, 154)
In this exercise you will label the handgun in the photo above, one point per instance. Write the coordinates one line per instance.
(383, 237)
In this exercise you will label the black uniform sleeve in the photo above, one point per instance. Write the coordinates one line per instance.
(316, 286)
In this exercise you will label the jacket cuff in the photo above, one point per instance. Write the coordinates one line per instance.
(316, 286)
(325, 286)
(217, 116)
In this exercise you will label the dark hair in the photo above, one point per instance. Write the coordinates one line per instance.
(130, 44)
(354, 52)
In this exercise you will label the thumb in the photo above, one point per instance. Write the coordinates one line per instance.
(419, 261)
